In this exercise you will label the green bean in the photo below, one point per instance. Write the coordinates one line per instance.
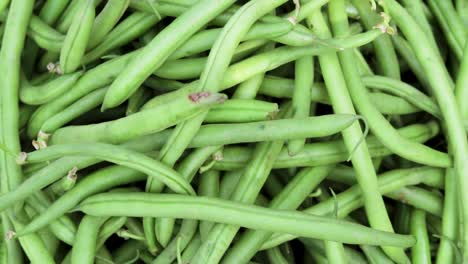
(191, 250)
(48, 91)
(420, 253)
(182, 241)
(438, 77)
(127, 251)
(203, 40)
(403, 90)
(32, 244)
(155, 53)
(387, 61)
(445, 252)
(91, 80)
(283, 88)
(290, 198)
(241, 110)
(351, 199)
(461, 90)
(51, 10)
(106, 20)
(123, 129)
(81, 106)
(127, 30)
(84, 247)
(304, 77)
(109, 228)
(25, 112)
(10, 54)
(12, 247)
(208, 186)
(4, 4)
(78, 35)
(137, 100)
(118, 155)
(65, 184)
(228, 183)
(157, 205)
(45, 36)
(275, 256)
(419, 198)
(451, 24)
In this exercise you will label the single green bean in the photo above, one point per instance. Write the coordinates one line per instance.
(304, 78)
(149, 121)
(81, 106)
(78, 35)
(336, 80)
(84, 247)
(445, 252)
(461, 88)
(48, 91)
(420, 253)
(250, 216)
(208, 186)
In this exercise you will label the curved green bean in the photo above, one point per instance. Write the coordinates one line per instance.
(250, 216)
(241, 110)
(48, 91)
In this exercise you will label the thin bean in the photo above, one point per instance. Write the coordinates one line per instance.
(276, 256)
(208, 186)
(81, 106)
(450, 224)
(420, 253)
(109, 228)
(84, 247)
(250, 216)
(48, 91)
(304, 78)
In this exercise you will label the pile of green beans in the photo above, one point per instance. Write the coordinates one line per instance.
(233, 131)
